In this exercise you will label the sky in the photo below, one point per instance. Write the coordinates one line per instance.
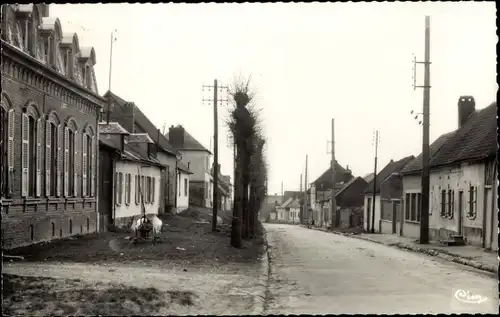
(308, 63)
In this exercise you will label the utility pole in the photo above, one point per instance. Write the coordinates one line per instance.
(424, 216)
(215, 101)
(305, 193)
(302, 201)
(374, 181)
(334, 181)
(113, 39)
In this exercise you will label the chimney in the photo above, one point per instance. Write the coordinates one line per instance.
(128, 118)
(347, 167)
(466, 106)
(188, 164)
(176, 136)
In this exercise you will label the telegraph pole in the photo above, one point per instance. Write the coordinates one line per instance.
(215, 101)
(424, 216)
(113, 39)
(305, 193)
(302, 202)
(334, 180)
(374, 181)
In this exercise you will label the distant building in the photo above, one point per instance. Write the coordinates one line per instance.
(384, 176)
(194, 154)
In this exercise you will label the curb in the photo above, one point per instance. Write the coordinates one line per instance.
(260, 299)
(433, 252)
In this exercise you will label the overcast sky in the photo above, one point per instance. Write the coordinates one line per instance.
(309, 63)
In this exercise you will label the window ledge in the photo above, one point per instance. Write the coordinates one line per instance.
(32, 200)
(55, 200)
(89, 199)
(413, 222)
(71, 199)
(5, 201)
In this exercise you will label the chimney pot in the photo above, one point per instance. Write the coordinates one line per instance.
(466, 106)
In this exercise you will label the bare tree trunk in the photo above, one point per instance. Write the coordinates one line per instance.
(237, 212)
(253, 210)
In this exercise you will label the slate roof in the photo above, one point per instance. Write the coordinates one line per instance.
(326, 177)
(388, 170)
(112, 128)
(346, 186)
(183, 167)
(475, 140)
(416, 165)
(139, 138)
(190, 143)
(144, 123)
(368, 177)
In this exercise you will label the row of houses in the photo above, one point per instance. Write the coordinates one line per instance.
(463, 188)
(463, 203)
(73, 161)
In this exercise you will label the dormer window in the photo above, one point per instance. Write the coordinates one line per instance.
(88, 76)
(69, 62)
(84, 75)
(46, 49)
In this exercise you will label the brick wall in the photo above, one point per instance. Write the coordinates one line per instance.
(35, 219)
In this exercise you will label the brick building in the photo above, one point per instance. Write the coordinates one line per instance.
(49, 113)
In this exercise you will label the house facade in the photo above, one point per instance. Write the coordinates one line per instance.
(462, 202)
(184, 174)
(288, 212)
(130, 117)
(194, 154)
(323, 189)
(134, 175)
(48, 117)
(388, 177)
(349, 201)
(267, 212)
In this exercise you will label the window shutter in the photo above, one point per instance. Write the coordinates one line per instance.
(10, 149)
(25, 155)
(39, 158)
(48, 145)
(126, 188)
(60, 139)
(76, 160)
(93, 163)
(84, 165)
(153, 191)
(66, 161)
(116, 188)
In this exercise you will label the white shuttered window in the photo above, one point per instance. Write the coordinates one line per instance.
(10, 149)
(66, 161)
(60, 159)
(48, 157)
(25, 155)
(39, 156)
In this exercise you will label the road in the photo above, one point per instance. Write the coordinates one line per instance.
(315, 272)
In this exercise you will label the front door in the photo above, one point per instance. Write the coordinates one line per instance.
(460, 212)
(395, 217)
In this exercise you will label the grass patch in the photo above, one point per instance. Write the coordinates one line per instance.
(48, 296)
(183, 240)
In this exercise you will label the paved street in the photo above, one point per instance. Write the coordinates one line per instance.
(318, 272)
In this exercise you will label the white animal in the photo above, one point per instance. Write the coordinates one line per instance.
(156, 222)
